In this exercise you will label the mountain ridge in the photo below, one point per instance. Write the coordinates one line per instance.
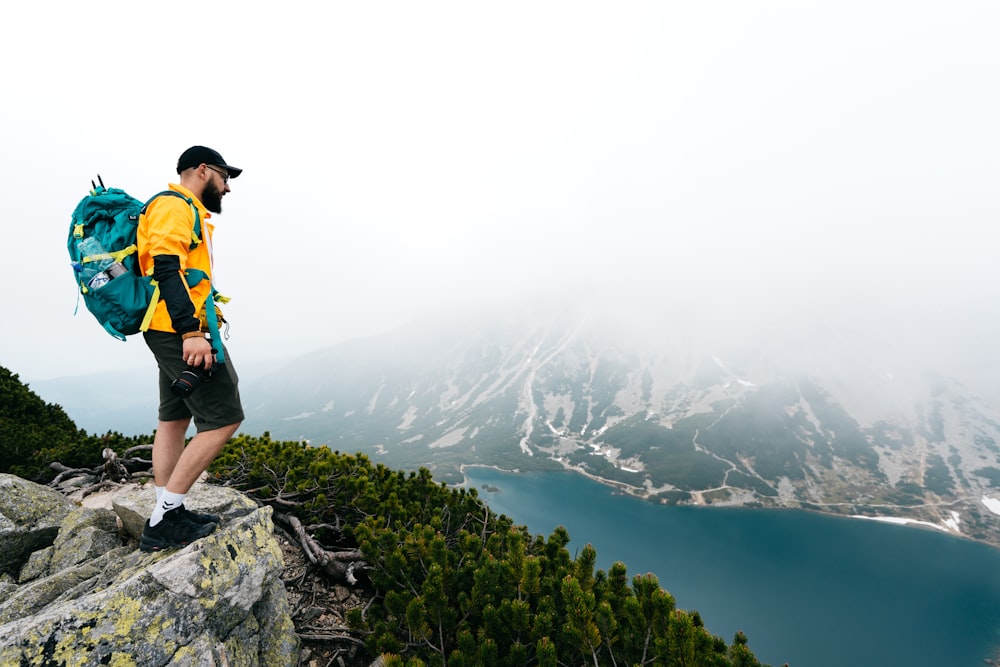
(834, 414)
(696, 424)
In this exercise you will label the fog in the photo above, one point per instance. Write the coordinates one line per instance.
(759, 171)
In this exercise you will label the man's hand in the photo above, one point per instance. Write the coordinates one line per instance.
(198, 352)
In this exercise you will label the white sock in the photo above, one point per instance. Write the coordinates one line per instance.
(159, 492)
(168, 501)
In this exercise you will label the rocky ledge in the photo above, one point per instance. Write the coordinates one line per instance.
(75, 589)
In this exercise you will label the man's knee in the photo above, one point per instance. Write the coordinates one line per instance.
(226, 432)
(173, 424)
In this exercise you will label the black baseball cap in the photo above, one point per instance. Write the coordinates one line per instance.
(196, 155)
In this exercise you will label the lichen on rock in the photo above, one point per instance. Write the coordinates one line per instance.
(30, 515)
(92, 598)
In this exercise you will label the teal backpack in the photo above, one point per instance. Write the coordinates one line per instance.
(104, 256)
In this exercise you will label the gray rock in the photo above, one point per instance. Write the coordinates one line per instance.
(35, 595)
(30, 515)
(134, 508)
(84, 534)
(219, 601)
(37, 565)
(7, 587)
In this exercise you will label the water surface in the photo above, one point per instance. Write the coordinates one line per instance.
(808, 589)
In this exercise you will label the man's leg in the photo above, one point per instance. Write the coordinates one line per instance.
(167, 526)
(197, 456)
(168, 445)
(176, 467)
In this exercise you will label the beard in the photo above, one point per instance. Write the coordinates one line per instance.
(211, 197)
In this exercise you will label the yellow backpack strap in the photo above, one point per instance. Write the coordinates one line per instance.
(120, 255)
(151, 308)
(113, 255)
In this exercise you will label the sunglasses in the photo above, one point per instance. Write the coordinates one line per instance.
(224, 174)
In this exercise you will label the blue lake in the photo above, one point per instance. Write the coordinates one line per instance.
(807, 589)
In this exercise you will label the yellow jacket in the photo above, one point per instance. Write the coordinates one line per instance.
(166, 229)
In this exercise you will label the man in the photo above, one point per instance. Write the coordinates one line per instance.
(178, 337)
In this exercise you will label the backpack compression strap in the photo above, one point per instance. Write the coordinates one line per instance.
(151, 308)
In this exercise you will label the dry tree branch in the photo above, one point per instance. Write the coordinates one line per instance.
(338, 564)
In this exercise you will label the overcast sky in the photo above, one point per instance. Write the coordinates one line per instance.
(406, 157)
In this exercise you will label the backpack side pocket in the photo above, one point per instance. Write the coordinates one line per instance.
(120, 305)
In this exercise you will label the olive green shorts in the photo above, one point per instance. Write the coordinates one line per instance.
(213, 404)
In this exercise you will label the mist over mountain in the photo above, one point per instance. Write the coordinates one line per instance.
(876, 417)
(856, 404)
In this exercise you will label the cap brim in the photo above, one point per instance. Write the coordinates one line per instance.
(233, 171)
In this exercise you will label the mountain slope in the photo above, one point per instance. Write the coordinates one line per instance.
(664, 413)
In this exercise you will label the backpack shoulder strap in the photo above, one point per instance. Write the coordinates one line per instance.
(196, 237)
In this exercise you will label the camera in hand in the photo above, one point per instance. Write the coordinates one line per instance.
(190, 379)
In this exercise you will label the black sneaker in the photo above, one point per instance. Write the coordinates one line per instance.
(173, 531)
(198, 517)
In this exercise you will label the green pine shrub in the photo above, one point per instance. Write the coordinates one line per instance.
(33, 434)
(453, 582)
(458, 584)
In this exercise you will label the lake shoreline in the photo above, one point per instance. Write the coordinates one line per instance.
(952, 528)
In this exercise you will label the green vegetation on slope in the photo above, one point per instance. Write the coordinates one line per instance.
(34, 433)
(452, 582)
(461, 585)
